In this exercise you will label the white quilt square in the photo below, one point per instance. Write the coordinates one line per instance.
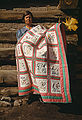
(55, 86)
(42, 52)
(24, 80)
(22, 65)
(41, 68)
(53, 53)
(54, 69)
(27, 49)
(42, 85)
(18, 50)
(52, 39)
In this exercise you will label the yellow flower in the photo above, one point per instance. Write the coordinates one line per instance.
(71, 24)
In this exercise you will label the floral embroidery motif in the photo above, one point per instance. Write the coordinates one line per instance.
(53, 53)
(42, 85)
(27, 49)
(52, 37)
(55, 86)
(24, 80)
(22, 66)
(41, 68)
(54, 69)
(42, 53)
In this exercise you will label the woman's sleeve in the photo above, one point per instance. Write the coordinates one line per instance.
(18, 34)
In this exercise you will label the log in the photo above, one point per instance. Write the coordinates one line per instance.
(10, 15)
(7, 67)
(9, 36)
(73, 38)
(4, 104)
(8, 77)
(12, 27)
(7, 45)
(38, 13)
(9, 91)
(47, 8)
(7, 53)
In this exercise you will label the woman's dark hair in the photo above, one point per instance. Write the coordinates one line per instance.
(27, 13)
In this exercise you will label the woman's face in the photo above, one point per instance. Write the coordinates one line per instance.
(28, 19)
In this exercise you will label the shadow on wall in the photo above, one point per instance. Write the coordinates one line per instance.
(75, 84)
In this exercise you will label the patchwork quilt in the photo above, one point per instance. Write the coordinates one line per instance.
(42, 66)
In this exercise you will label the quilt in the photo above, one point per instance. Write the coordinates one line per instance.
(42, 65)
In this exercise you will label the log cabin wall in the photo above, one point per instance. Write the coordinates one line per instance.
(8, 4)
(64, 4)
(45, 14)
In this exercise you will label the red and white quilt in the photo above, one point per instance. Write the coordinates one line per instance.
(42, 66)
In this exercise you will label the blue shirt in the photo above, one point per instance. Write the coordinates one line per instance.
(21, 32)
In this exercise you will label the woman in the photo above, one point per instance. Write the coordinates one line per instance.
(27, 17)
(41, 63)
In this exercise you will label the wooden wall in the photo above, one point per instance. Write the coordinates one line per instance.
(11, 21)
